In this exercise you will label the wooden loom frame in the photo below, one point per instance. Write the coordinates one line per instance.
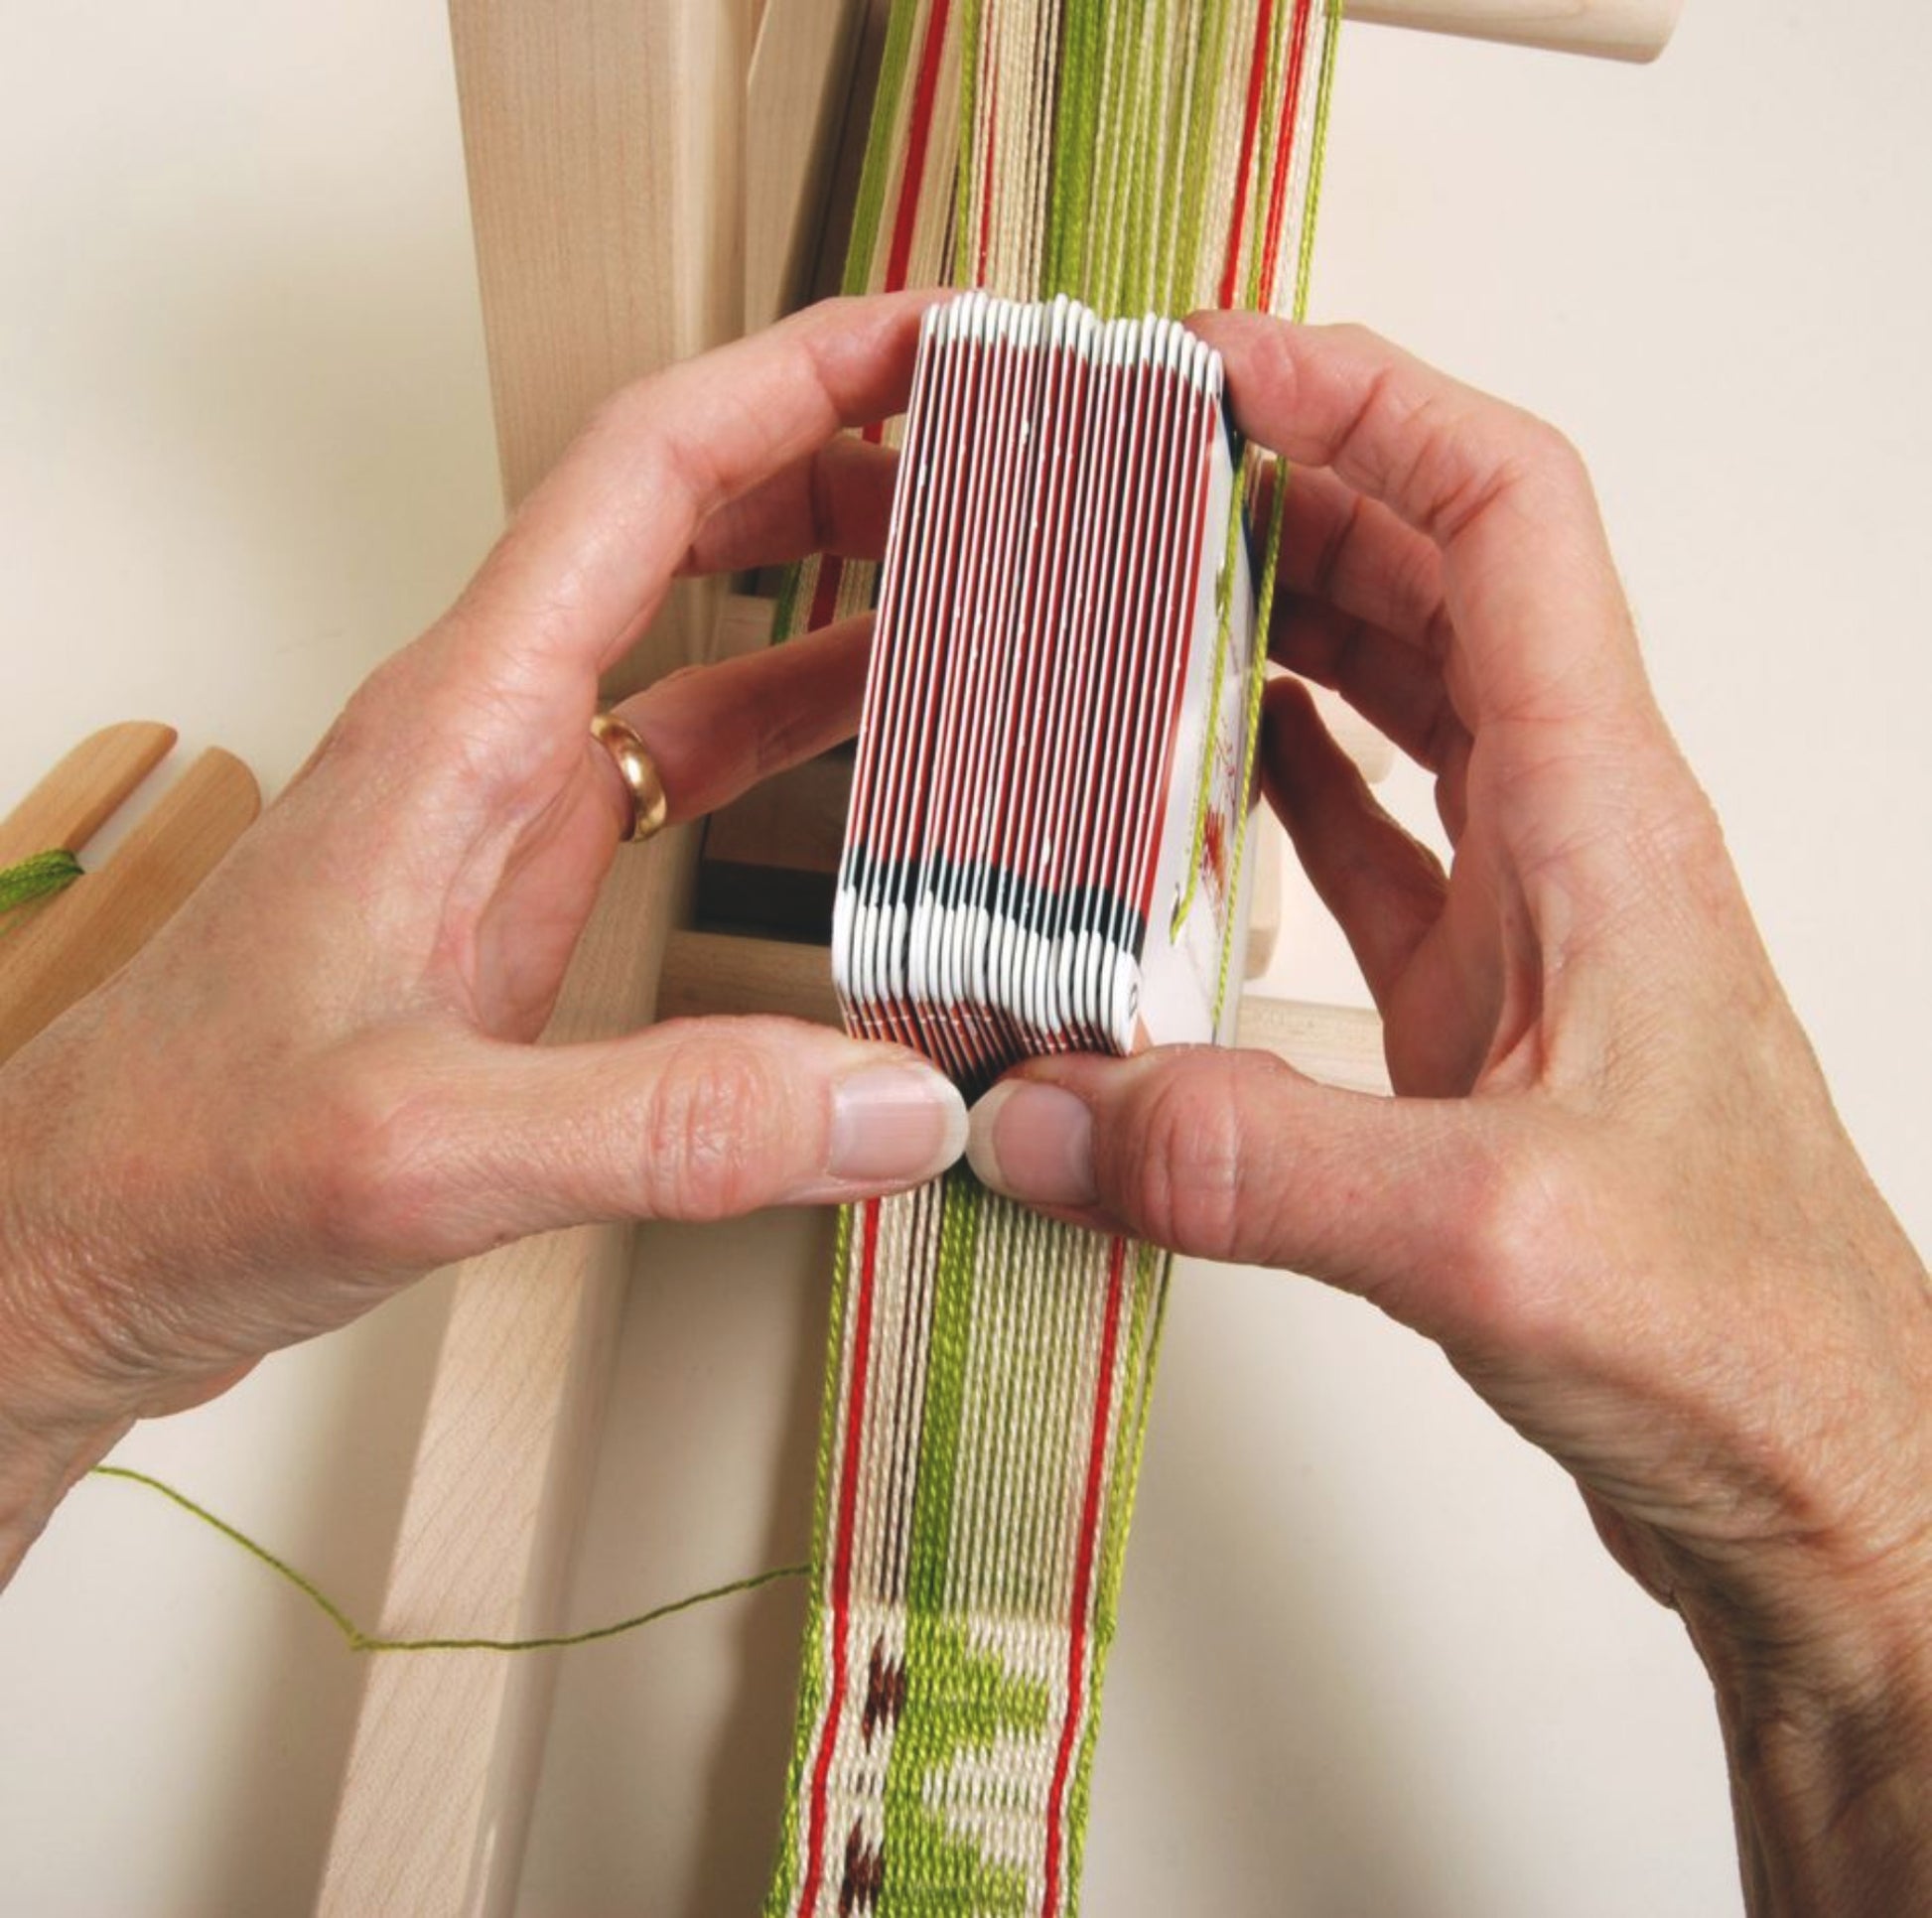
(644, 177)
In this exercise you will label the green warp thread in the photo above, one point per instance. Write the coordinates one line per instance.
(38, 877)
(358, 1640)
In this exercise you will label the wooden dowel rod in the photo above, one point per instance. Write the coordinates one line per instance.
(1637, 29)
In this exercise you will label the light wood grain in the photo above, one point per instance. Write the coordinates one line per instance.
(1337, 1044)
(1636, 30)
(443, 1768)
(81, 938)
(91, 783)
(1267, 848)
(720, 972)
(796, 98)
(716, 972)
(795, 821)
(600, 143)
(603, 139)
(425, 1828)
(603, 143)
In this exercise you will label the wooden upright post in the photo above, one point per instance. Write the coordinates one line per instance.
(604, 144)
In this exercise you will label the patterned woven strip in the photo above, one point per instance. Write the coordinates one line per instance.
(989, 1372)
(976, 1482)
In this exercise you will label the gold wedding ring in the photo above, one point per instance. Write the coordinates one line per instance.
(650, 808)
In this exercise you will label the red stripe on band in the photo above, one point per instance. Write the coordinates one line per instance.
(825, 595)
(918, 136)
(842, 1560)
(1284, 147)
(1251, 121)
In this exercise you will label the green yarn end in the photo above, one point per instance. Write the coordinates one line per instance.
(358, 1640)
(39, 877)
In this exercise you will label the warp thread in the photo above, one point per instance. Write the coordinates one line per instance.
(988, 1374)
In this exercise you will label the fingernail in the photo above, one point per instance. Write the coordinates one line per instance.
(895, 1125)
(1034, 1142)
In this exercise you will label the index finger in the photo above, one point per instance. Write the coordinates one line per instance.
(587, 561)
(1533, 595)
(714, 731)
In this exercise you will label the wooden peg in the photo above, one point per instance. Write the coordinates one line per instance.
(81, 938)
(75, 799)
(1636, 30)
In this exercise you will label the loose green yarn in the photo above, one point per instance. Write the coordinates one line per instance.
(38, 877)
(357, 1640)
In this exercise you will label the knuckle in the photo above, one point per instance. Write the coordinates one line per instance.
(1515, 1235)
(371, 1168)
(400, 722)
(673, 459)
(713, 1127)
(790, 732)
(1470, 459)
(1412, 582)
(1184, 1172)
(1359, 339)
(1554, 447)
(620, 412)
(367, 722)
(1547, 457)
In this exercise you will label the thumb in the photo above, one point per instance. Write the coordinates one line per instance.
(695, 1119)
(1232, 1154)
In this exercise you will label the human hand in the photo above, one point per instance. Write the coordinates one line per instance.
(1612, 1186)
(320, 1079)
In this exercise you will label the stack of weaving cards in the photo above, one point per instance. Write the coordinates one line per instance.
(1053, 754)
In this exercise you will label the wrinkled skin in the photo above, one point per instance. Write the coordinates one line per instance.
(1612, 1184)
(319, 1080)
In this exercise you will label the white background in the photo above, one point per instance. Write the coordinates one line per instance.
(1372, 1659)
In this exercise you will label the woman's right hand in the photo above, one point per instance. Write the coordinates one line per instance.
(1613, 1188)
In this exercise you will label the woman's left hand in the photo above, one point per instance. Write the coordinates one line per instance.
(321, 1079)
